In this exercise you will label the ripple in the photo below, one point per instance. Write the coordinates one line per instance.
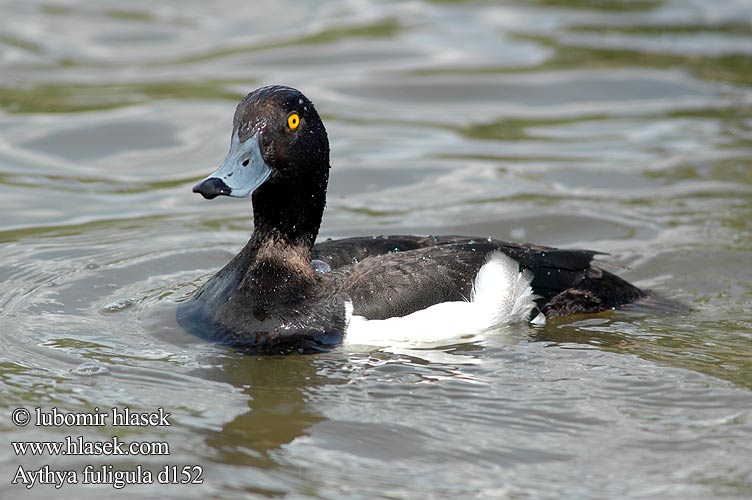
(118, 305)
(624, 127)
(90, 369)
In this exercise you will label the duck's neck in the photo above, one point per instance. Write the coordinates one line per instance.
(290, 216)
(286, 222)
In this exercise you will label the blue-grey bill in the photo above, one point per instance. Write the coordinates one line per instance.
(242, 172)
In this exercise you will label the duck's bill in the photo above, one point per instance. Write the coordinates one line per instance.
(242, 172)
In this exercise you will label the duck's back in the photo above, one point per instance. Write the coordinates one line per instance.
(389, 276)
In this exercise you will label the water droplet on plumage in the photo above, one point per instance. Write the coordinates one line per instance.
(320, 266)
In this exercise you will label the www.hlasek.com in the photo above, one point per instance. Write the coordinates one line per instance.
(79, 446)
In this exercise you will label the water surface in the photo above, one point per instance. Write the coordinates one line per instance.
(622, 126)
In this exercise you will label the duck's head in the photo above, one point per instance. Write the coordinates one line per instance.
(277, 138)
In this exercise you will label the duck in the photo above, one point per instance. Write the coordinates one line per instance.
(285, 293)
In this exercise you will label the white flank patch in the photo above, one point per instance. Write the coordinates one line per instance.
(501, 295)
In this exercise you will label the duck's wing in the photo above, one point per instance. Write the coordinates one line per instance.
(347, 251)
(442, 269)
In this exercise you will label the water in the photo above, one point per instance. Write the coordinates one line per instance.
(624, 127)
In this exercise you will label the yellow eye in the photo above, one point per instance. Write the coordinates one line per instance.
(293, 121)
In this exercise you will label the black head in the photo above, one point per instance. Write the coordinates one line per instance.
(277, 138)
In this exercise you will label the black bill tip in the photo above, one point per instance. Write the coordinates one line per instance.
(211, 188)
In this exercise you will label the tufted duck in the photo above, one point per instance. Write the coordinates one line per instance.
(282, 293)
